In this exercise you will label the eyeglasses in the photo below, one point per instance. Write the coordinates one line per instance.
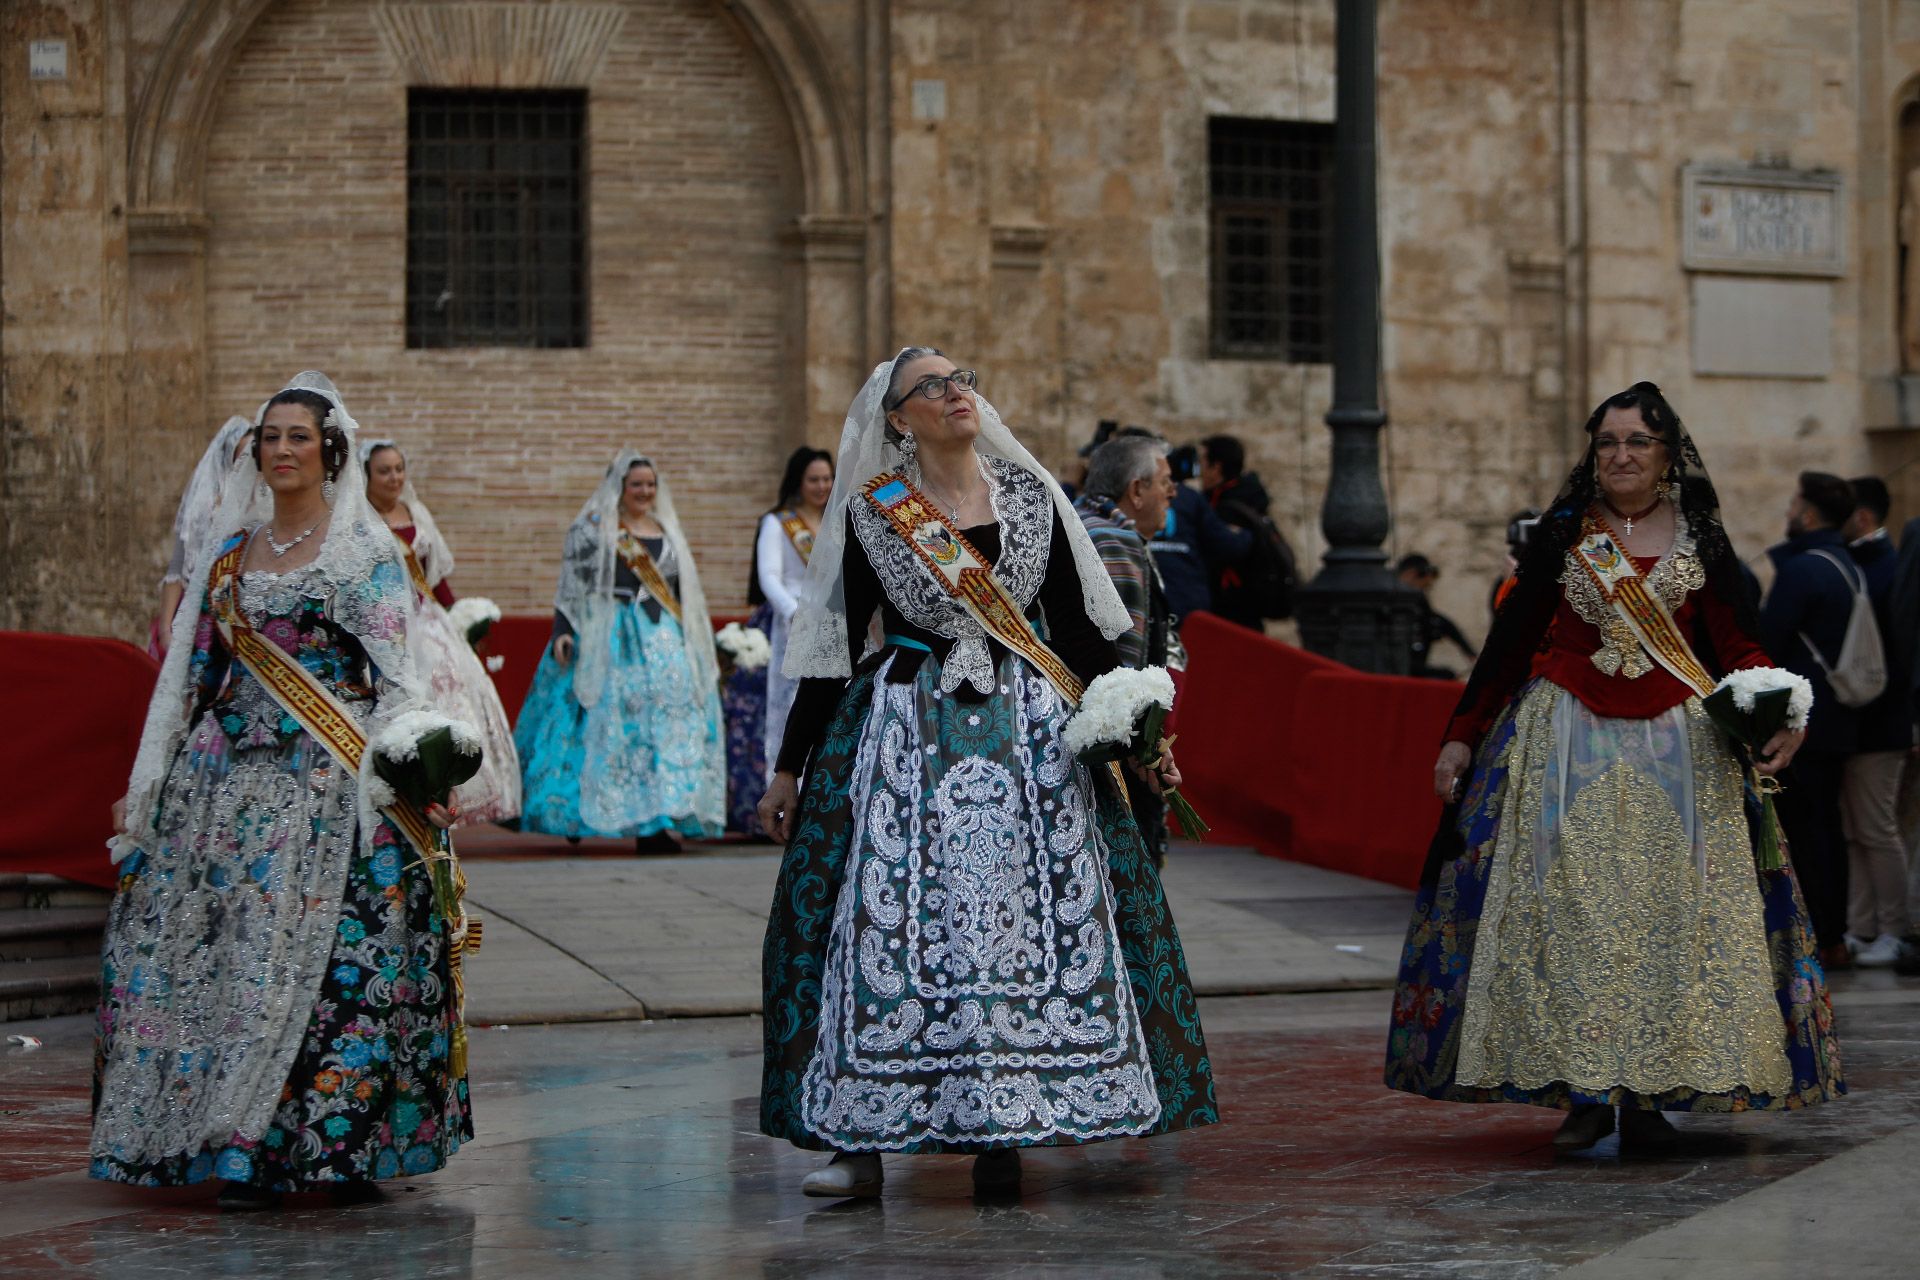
(1606, 446)
(935, 388)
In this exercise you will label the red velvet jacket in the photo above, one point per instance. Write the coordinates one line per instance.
(1624, 683)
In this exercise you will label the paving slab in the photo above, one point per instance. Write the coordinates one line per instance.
(571, 939)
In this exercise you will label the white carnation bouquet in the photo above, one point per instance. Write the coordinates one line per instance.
(1120, 718)
(1752, 706)
(742, 648)
(472, 616)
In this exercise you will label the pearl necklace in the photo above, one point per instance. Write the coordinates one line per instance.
(280, 549)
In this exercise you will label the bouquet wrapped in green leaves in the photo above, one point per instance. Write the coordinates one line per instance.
(422, 756)
(1120, 718)
(1752, 706)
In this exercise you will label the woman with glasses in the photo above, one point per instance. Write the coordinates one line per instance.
(969, 950)
(1591, 930)
(620, 734)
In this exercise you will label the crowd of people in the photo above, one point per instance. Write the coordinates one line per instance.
(969, 948)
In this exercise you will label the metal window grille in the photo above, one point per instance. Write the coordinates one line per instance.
(496, 218)
(1271, 208)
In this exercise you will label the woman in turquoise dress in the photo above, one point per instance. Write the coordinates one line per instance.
(277, 1001)
(621, 734)
(969, 949)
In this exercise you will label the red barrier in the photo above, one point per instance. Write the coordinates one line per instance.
(1364, 780)
(1237, 737)
(74, 706)
(1304, 758)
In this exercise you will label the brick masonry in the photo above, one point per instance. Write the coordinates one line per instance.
(215, 199)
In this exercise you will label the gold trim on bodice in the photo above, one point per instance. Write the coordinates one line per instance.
(1678, 574)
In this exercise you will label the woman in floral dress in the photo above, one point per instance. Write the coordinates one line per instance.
(969, 950)
(277, 1008)
(620, 734)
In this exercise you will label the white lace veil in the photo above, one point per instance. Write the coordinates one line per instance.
(817, 645)
(585, 594)
(368, 597)
(196, 519)
(429, 548)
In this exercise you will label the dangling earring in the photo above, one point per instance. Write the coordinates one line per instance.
(260, 489)
(1665, 486)
(327, 489)
(909, 449)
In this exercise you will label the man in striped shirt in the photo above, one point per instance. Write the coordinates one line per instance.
(1127, 490)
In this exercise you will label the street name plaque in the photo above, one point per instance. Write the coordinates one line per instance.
(1762, 221)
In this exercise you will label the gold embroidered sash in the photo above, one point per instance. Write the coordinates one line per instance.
(315, 708)
(965, 576)
(414, 568)
(797, 533)
(1643, 612)
(634, 552)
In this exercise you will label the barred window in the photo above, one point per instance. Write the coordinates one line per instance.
(496, 218)
(1271, 207)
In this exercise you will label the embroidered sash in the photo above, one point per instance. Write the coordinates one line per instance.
(301, 695)
(634, 552)
(314, 707)
(797, 533)
(1643, 612)
(961, 571)
(414, 569)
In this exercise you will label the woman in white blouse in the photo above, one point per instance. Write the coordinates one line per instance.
(780, 568)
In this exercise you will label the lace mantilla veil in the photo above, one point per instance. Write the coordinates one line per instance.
(365, 583)
(429, 548)
(196, 519)
(585, 594)
(817, 646)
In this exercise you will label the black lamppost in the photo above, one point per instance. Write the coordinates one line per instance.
(1355, 611)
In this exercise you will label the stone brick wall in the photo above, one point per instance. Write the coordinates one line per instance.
(784, 190)
(691, 186)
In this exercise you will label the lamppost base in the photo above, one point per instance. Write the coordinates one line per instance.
(1367, 627)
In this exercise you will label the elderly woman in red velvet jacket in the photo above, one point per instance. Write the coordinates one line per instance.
(1592, 930)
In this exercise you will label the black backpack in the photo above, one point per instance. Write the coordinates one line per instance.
(1270, 573)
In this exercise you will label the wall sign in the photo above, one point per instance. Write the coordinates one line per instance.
(47, 60)
(1762, 221)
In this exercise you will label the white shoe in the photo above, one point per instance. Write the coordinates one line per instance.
(1855, 943)
(847, 1177)
(1880, 953)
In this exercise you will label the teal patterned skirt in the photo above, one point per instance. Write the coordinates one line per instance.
(969, 947)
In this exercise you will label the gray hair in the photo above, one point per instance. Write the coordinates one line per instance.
(1119, 462)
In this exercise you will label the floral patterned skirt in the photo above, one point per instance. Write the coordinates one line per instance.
(1591, 929)
(968, 946)
(743, 701)
(647, 757)
(276, 1001)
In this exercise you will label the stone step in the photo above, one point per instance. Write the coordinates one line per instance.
(36, 933)
(36, 889)
(48, 988)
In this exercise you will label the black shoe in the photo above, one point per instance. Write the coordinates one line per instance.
(1646, 1132)
(1583, 1127)
(244, 1197)
(344, 1194)
(573, 840)
(658, 842)
(997, 1172)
